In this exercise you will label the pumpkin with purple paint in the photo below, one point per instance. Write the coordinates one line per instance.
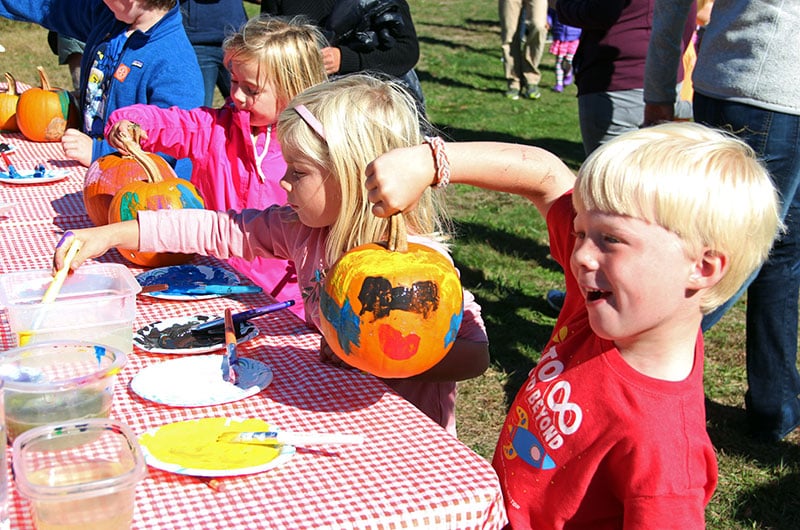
(392, 313)
(156, 192)
(108, 174)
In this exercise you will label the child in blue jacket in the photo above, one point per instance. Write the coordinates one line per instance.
(136, 52)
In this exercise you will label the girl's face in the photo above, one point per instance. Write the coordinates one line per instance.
(635, 277)
(252, 93)
(310, 190)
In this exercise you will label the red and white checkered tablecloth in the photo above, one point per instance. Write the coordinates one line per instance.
(409, 473)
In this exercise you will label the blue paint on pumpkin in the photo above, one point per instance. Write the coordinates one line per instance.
(344, 320)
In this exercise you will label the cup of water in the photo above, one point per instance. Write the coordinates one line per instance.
(79, 474)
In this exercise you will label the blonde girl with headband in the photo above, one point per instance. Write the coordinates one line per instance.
(329, 134)
(235, 153)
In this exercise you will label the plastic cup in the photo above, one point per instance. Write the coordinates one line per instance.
(79, 475)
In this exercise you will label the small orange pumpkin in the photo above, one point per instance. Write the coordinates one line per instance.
(155, 193)
(43, 114)
(108, 174)
(392, 309)
(8, 105)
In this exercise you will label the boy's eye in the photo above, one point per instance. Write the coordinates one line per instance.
(610, 239)
(579, 235)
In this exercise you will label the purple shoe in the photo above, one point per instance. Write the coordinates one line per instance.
(568, 79)
(558, 88)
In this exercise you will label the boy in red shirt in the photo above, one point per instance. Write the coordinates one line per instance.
(661, 226)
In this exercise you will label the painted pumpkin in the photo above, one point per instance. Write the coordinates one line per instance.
(391, 310)
(154, 193)
(44, 113)
(8, 105)
(108, 174)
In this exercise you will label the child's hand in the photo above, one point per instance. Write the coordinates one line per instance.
(96, 241)
(123, 132)
(77, 146)
(327, 356)
(396, 180)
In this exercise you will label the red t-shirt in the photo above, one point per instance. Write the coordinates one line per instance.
(591, 443)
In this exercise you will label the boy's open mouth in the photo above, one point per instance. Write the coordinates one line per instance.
(596, 294)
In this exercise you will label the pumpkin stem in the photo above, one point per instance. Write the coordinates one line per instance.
(398, 234)
(44, 82)
(138, 154)
(12, 84)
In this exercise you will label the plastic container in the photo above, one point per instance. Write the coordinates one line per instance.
(97, 303)
(59, 381)
(79, 475)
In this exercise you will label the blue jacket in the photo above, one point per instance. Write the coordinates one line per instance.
(161, 63)
(209, 22)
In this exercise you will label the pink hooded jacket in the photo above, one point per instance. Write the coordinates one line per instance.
(225, 172)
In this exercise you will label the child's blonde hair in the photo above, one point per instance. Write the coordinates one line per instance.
(702, 184)
(289, 53)
(363, 117)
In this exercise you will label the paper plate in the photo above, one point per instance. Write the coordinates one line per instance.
(184, 277)
(191, 448)
(196, 381)
(50, 175)
(174, 336)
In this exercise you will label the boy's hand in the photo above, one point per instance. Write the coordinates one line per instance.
(77, 146)
(125, 131)
(396, 180)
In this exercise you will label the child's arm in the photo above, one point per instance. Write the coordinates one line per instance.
(396, 179)
(97, 241)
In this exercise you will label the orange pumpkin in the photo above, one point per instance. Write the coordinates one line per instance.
(8, 105)
(43, 114)
(108, 174)
(154, 193)
(393, 309)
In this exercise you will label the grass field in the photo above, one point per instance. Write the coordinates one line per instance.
(502, 252)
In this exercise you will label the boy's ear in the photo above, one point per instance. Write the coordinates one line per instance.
(708, 270)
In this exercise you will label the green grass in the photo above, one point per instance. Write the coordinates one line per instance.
(502, 252)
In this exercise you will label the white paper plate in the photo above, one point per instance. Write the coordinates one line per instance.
(191, 448)
(196, 381)
(50, 175)
(186, 276)
(174, 336)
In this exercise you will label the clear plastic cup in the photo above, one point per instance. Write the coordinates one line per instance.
(79, 475)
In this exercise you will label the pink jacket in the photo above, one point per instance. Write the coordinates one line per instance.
(225, 172)
(277, 232)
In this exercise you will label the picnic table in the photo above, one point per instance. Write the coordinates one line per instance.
(409, 472)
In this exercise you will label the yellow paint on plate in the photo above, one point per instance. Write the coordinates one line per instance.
(193, 444)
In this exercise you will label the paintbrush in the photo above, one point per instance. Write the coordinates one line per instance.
(52, 291)
(203, 289)
(229, 360)
(12, 171)
(276, 437)
(217, 326)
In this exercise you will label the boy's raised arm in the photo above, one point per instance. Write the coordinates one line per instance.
(396, 179)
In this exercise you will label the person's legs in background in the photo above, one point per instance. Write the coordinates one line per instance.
(606, 115)
(772, 404)
(215, 75)
(535, 37)
(510, 11)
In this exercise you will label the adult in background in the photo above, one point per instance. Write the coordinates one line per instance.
(523, 53)
(136, 52)
(207, 23)
(748, 51)
(364, 36)
(70, 53)
(609, 64)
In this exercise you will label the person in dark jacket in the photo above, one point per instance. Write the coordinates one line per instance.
(207, 23)
(364, 35)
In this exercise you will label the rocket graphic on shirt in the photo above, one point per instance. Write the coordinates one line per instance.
(523, 443)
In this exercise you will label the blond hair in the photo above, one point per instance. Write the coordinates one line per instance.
(363, 117)
(289, 53)
(702, 184)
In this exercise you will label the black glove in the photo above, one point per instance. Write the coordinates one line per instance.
(364, 25)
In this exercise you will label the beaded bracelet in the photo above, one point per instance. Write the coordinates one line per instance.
(440, 161)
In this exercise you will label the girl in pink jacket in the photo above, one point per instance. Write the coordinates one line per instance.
(236, 157)
(329, 134)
